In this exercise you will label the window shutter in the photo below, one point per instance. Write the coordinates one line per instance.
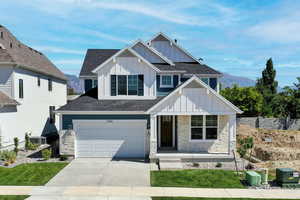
(21, 90)
(113, 85)
(213, 83)
(88, 84)
(141, 85)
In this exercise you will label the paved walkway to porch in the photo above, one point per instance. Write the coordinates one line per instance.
(47, 192)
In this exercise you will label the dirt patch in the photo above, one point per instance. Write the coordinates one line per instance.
(277, 148)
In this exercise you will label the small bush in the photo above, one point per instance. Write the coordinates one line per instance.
(46, 154)
(27, 141)
(63, 157)
(196, 164)
(219, 165)
(32, 146)
(16, 143)
(9, 157)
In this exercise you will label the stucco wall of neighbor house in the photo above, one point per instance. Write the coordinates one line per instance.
(33, 114)
(270, 123)
(221, 145)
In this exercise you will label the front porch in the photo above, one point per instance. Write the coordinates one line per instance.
(192, 137)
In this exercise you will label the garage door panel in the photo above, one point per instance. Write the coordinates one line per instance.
(118, 139)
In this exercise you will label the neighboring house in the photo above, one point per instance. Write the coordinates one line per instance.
(151, 100)
(31, 88)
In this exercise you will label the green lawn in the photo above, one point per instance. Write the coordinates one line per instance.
(30, 174)
(197, 178)
(195, 198)
(13, 197)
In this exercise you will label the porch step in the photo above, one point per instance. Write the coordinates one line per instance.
(170, 163)
(169, 160)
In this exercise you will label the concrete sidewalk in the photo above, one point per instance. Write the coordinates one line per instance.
(81, 192)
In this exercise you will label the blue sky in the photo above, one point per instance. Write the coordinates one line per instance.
(231, 36)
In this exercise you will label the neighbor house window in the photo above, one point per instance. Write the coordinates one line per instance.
(95, 83)
(127, 85)
(21, 89)
(204, 127)
(51, 114)
(212, 82)
(166, 81)
(49, 85)
(38, 81)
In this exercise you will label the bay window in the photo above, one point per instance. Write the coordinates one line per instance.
(204, 127)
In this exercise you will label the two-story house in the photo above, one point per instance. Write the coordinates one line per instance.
(150, 100)
(31, 88)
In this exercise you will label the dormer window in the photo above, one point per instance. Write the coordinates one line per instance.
(166, 81)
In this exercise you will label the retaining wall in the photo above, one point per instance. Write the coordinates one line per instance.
(270, 123)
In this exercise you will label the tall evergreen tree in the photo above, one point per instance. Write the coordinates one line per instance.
(267, 85)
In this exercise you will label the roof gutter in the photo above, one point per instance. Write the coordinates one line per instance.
(68, 112)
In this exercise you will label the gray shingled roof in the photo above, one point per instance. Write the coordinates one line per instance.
(94, 58)
(18, 53)
(6, 100)
(189, 68)
(90, 102)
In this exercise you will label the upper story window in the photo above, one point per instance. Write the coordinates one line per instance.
(38, 81)
(21, 89)
(166, 81)
(49, 85)
(212, 82)
(204, 127)
(127, 85)
(90, 83)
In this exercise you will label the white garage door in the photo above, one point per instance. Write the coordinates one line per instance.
(110, 138)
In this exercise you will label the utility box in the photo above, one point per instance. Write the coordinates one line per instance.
(253, 178)
(287, 176)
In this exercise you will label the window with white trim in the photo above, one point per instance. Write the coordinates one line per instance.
(212, 82)
(127, 85)
(166, 80)
(204, 127)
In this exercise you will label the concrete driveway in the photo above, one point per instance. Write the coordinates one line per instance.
(103, 172)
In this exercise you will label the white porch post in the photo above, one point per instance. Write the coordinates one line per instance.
(232, 133)
(153, 135)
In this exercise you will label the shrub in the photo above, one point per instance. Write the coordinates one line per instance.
(32, 146)
(27, 141)
(63, 157)
(16, 142)
(9, 157)
(46, 154)
(219, 165)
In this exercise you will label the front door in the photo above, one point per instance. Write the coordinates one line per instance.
(166, 131)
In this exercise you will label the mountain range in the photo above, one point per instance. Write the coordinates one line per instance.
(227, 80)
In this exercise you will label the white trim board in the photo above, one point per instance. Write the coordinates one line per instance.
(209, 90)
(154, 51)
(120, 52)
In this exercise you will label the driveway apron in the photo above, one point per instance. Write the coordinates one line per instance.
(103, 172)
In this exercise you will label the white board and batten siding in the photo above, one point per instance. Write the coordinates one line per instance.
(171, 51)
(195, 101)
(126, 66)
(6, 81)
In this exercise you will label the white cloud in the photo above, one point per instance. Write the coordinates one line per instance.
(289, 65)
(238, 61)
(170, 11)
(52, 49)
(285, 29)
